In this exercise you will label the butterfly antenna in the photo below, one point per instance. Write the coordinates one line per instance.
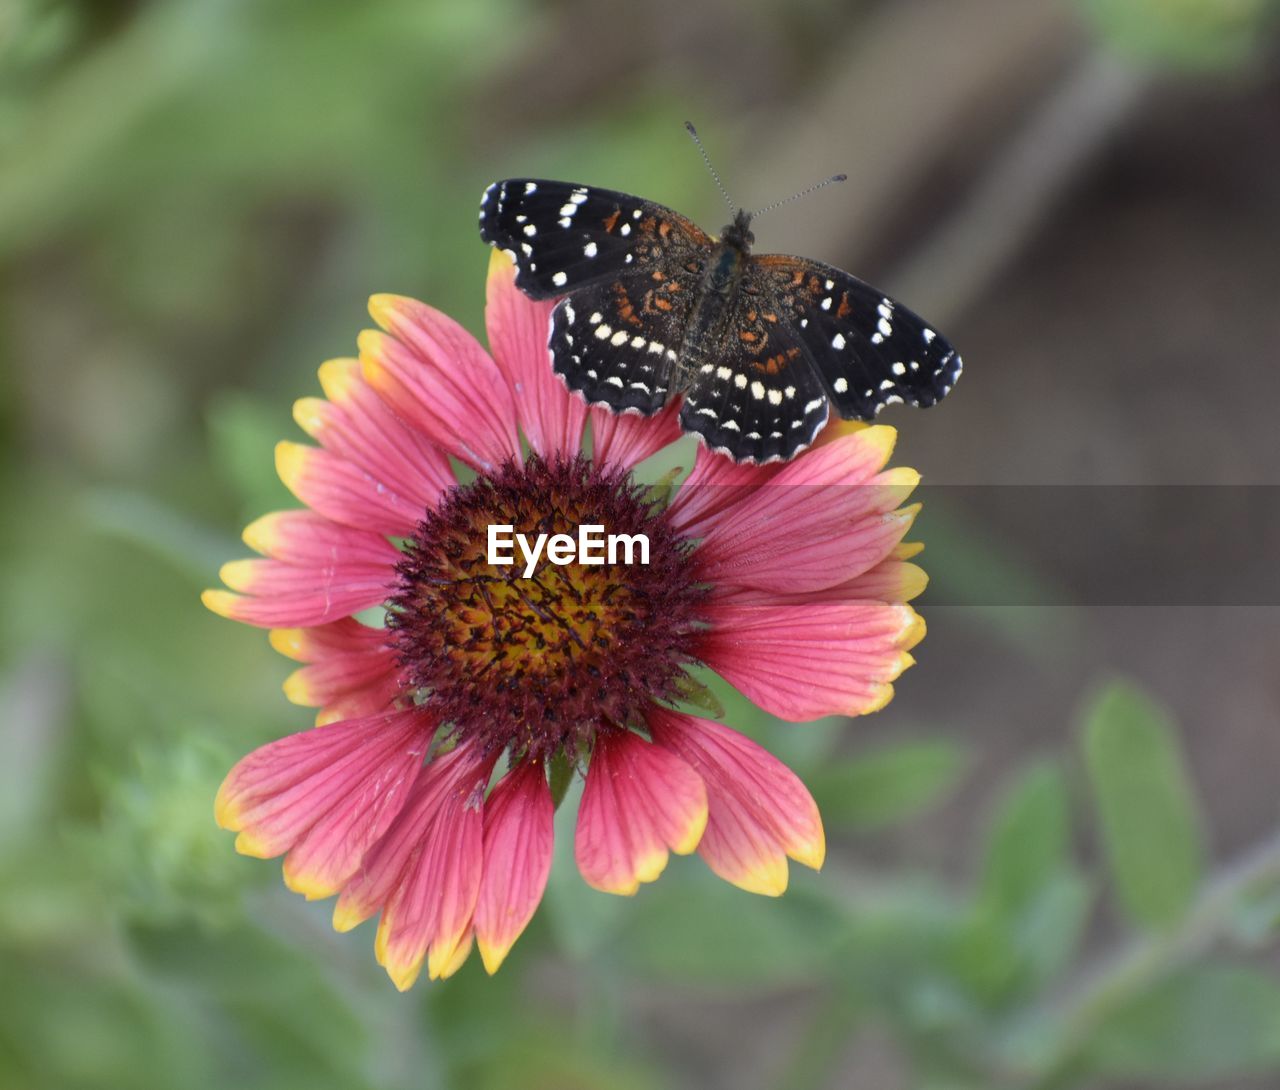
(803, 193)
(707, 159)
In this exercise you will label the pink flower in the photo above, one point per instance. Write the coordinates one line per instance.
(788, 580)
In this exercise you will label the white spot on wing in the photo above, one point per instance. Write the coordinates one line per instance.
(559, 279)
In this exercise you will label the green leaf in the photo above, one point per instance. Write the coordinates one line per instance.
(699, 696)
(1213, 1021)
(889, 786)
(1031, 901)
(1028, 839)
(1150, 821)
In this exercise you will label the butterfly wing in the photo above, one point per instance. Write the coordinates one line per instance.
(617, 341)
(758, 398)
(869, 350)
(564, 236)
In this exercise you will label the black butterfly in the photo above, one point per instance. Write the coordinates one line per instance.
(759, 345)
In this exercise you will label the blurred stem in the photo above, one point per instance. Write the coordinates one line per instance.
(1119, 978)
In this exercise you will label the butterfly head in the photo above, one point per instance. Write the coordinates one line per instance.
(738, 233)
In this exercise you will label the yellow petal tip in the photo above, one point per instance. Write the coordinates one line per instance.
(221, 602)
(384, 306)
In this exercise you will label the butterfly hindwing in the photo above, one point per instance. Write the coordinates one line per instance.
(869, 350)
(612, 343)
(757, 396)
(564, 236)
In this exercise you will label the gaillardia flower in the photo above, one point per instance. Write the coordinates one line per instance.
(424, 794)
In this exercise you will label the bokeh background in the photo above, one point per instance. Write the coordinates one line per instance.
(1055, 857)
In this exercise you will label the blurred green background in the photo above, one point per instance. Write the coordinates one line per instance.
(1055, 857)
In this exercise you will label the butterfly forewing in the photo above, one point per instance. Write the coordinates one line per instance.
(563, 236)
(869, 350)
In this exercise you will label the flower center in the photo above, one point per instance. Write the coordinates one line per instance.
(540, 662)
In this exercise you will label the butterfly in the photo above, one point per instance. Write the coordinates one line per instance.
(760, 346)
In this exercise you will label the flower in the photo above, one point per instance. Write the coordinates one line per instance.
(788, 580)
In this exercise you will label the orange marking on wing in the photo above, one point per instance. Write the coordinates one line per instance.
(844, 309)
(612, 220)
(775, 364)
(626, 309)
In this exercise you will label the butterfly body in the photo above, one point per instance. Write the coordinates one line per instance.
(760, 346)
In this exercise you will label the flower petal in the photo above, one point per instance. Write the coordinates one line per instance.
(437, 378)
(639, 801)
(892, 580)
(355, 424)
(552, 419)
(804, 662)
(824, 518)
(759, 811)
(349, 665)
(342, 491)
(324, 795)
(627, 439)
(429, 914)
(424, 874)
(518, 839)
(320, 571)
(714, 485)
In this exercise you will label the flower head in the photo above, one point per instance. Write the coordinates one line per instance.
(788, 580)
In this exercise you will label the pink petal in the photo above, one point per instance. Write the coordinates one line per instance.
(349, 664)
(327, 794)
(437, 378)
(424, 874)
(429, 914)
(639, 801)
(306, 539)
(385, 866)
(518, 838)
(759, 812)
(627, 439)
(824, 518)
(715, 484)
(355, 424)
(518, 329)
(281, 594)
(342, 491)
(804, 662)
